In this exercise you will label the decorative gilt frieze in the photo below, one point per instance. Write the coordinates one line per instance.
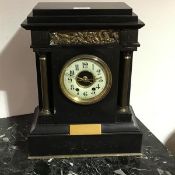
(84, 37)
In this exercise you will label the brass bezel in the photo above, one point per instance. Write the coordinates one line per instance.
(92, 100)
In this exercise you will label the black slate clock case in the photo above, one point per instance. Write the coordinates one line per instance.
(56, 113)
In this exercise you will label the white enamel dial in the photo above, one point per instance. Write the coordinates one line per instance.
(85, 79)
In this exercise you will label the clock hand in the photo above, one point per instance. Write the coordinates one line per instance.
(91, 79)
(98, 78)
(82, 79)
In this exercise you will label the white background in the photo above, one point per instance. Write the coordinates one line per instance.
(153, 78)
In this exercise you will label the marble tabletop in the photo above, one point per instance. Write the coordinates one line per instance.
(156, 159)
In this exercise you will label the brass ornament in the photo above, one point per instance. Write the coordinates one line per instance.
(84, 37)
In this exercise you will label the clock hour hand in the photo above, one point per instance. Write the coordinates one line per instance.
(81, 79)
(85, 80)
(98, 78)
(89, 80)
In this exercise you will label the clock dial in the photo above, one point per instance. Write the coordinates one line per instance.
(85, 79)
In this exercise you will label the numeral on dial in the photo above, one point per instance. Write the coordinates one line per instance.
(85, 94)
(98, 71)
(72, 87)
(85, 64)
(93, 90)
(98, 86)
(77, 67)
(71, 72)
(77, 89)
(69, 80)
(92, 66)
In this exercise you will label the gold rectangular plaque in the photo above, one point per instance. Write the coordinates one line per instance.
(85, 129)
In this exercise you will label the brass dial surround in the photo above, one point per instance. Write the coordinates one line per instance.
(96, 61)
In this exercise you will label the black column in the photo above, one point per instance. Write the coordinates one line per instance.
(125, 80)
(45, 110)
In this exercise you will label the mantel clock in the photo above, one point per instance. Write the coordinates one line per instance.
(84, 57)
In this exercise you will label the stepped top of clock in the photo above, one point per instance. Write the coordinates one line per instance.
(68, 8)
(74, 14)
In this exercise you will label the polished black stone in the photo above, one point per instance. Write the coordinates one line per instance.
(47, 16)
(156, 159)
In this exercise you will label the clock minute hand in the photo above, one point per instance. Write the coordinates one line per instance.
(98, 78)
(82, 79)
(89, 80)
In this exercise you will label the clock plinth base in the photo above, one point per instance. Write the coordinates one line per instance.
(55, 140)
